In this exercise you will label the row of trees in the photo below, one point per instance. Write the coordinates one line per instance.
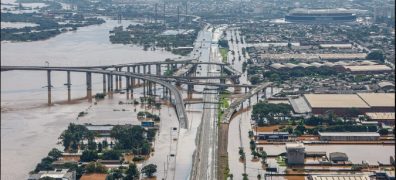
(264, 113)
(73, 135)
(132, 138)
(299, 72)
(145, 114)
(132, 173)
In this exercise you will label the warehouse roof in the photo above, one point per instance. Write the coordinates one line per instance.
(295, 146)
(277, 66)
(290, 65)
(366, 134)
(381, 115)
(340, 177)
(335, 101)
(378, 99)
(379, 67)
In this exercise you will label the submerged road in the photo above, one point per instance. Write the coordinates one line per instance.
(205, 158)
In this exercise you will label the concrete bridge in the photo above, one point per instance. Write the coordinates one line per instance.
(131, 80)
(238, 102)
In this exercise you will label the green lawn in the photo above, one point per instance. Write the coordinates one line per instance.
(224, 54)
(223, 104)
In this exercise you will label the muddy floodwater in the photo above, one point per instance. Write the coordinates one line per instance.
(29, 129)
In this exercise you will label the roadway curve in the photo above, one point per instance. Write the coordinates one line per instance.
(230, 111)
(179, 104)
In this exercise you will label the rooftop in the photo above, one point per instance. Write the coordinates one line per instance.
(99, 127)
(369, 134)
(378, 99)
(386, 83)
(379, 67)
(93, 176)
(381, 115)
(335, 101)
(295, 146)
(319, 11)
(340, 177)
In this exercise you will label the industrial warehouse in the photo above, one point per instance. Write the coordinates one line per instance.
(341, 104)
(354, 67)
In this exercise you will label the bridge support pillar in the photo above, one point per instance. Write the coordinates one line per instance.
(158, 69)
(257, 100)
(190, 89)
(120, 79)
(138, 71)
(89, 87)
(127, 86)
(155, 89)
(148, 88)
(170, 97)
(110, 85)
(104, 84)
(131, 85)
(144, 88)
(68, 87)
(116, 81)
(163, 92)
(149, 69)
(151, 88)
(49, 87)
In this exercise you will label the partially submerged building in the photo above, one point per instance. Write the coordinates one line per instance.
(63, 174)
(295, 153)
(349, 136)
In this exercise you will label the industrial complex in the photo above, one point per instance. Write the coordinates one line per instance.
(340, 104)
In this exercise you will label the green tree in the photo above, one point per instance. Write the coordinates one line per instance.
(88, 156)
(376, 55)
(245, 176)
(132, 173)
(100, 147)
(252, 145)
(112, 155)
(95, 167)
(92, 145)
(151, 134)
(72, 136)
(116, 174)
(55, 154)
(149, 170)
(105, 144)
(263, 156)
